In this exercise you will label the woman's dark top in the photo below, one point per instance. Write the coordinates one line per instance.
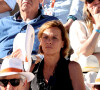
(59, 81)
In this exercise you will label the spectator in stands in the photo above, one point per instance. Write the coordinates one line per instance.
(12, 75)
(6, 6)
(54, 72)
(12, 25)
(66, 11)
(85, 38)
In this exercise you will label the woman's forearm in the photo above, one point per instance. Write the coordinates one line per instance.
(87, 48)
(4, 7)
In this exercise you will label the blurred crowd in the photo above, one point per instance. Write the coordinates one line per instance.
(49, 45)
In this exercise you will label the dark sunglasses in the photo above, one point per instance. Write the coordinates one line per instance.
(97, 86)
(13, 82)
(89, 1)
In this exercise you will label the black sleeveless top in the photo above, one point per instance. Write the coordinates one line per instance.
(59, 81)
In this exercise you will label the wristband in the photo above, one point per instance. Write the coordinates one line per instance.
(71, 17)
(97, 30)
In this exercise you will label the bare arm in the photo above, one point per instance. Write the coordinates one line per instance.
(4, 6)
(76, 76)
(75, 11)
(89, 45)
(82, 43)
(68, 24)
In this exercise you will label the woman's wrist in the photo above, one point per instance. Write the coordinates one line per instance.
(71, 17)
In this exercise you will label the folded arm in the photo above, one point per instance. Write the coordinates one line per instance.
(81, 41)
(4, 7)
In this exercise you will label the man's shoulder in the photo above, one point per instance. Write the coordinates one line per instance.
(6, 18)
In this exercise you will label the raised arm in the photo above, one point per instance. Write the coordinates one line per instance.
(83, 43)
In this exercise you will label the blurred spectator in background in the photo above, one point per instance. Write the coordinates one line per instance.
(85, 37)
(66, 11)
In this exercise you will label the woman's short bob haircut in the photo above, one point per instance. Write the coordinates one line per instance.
(56, 23)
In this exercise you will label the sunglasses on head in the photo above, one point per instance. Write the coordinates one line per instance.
(13, 82)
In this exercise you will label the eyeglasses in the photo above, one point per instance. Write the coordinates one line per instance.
(13, 82)
(89, 1)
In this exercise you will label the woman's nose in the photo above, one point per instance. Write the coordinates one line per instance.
(49, 40)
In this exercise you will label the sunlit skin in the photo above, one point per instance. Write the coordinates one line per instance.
(26, 5)
(28, 9)
(94, 7)
(92, 22)
(10, 87)
(51, 41)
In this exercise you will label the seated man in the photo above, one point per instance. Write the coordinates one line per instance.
(12, 25)
(12, 75)
(6, 6)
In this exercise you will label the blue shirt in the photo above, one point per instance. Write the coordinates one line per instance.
(10, 27)
(11, 4)
(63, 8)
